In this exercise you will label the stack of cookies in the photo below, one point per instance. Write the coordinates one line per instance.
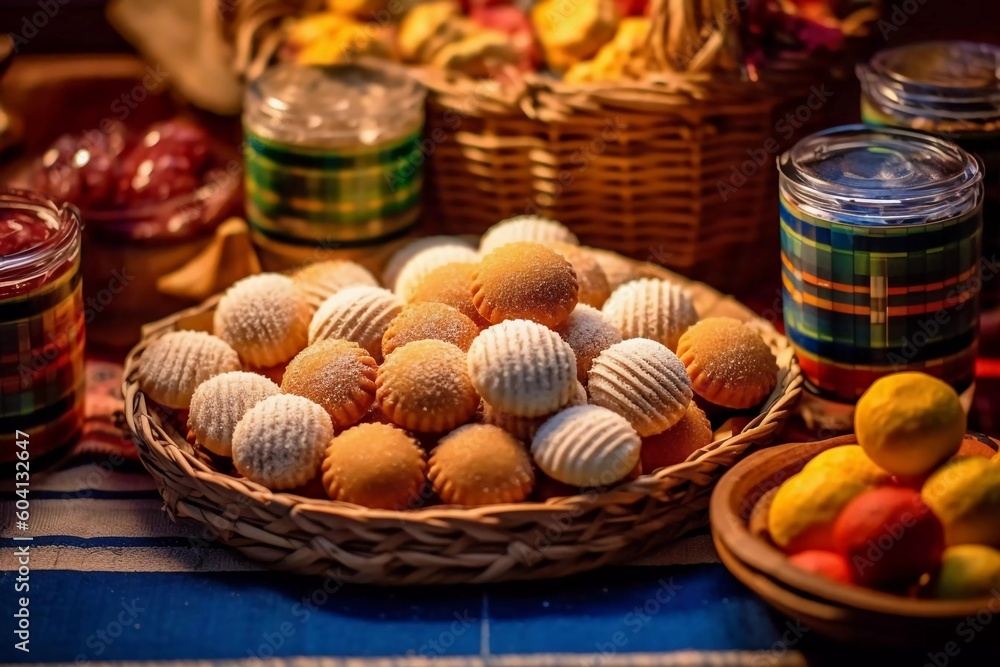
(524, 368)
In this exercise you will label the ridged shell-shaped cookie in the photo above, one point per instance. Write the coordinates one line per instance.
(524, 428)
(426, 261)
(221, 402)
(678, 442)
(338, 375)
(360, 314)
(589, 333)
(618, 269)
(280, 441)
(594, 288)
(643, 381)
(429, 321)
(173, 366)
(479, 464)
(587, 446)
(526, 228)
(322, 280)
(449, 284)
(522, 368)
(375, 465)
(265, 318)
(648, 308)
(399, 258)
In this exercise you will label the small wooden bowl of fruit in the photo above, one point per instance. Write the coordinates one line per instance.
(889, 536)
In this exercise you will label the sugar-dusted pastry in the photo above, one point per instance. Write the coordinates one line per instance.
(219, 404)
(589, 333)
(279, 442)
(480, 464)
(426, 261)
(594, 289)
(450, 285)
(524, 281)
(618, 269)
(322, 280)
(525, 229)
(649, 308)
(174, 364)
(429, 321)
(586, 446)
(375, 465)
(360, 314)
(336, 374)
(404, 254)
(642, 381)
(425, 386)
(522, 368)
(524, 428)
(265, 318)
(678, 442)
(728, 362)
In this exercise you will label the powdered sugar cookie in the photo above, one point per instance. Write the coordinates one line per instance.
(589, 333)
(524, 428)
(618, 269)
(450, 285)
(426, 261)
(322, 280)
(594, 288)
(406, 253)
(174, 364)
(219, 403)
(678, 442)
(648, 308)
(429, 321)
(338, 375)
(479, 464)
(375, 465)
(360, 314)
(528, 229)
(265, 318)
(642, 381)
(586, 446)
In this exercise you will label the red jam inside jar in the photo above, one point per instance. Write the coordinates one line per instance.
(41, 325)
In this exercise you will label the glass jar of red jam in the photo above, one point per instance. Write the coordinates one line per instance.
(41, 325)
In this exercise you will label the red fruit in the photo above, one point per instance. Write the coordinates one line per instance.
(888, 536)
(516, 25)
(824, 563)
(632, 7)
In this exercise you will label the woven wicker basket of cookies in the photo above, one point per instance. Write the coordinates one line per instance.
(523, 408)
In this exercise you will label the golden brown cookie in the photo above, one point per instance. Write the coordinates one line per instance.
(728, 362)
(524, 281)
(265, 318)
(219, 404)
(649, 308)
(524, 428)
(337, 375)
(642, 381)
(174, 364)
(586, 446)
(451, 285)
(525, 229)
(429, 321)
(405, 253)
(322, 280)
(360, 314)
(424, 386)
(426, 261)
(678, 442)
(618, 269)
(375, 465)
(589, 333)
(480, 464)
(594, 288)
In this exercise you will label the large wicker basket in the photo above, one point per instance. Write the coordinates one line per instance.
(676, 168)
(441, 544)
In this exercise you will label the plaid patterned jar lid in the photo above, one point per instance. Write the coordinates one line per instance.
(872, 177)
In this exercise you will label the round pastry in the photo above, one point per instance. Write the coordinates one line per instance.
(174, 364)
(375, 465)
(589, 333)
(527, 229)
(360, 314)
(617, 269)
(522, 368)
(219, 404)
(586, 446)
(648, 308)
(480, 464)
(406, 253)
(279, 442)
(594, 289)
(424, 386)
(524, 281)
(728, 362)
(678, 442)
(524, 428)
(338, 375)
(429, 321)
(265, 318)
(426, 261)
(450, 285)
(642, 381)
(322, 280)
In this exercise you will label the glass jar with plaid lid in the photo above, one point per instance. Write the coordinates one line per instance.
(881, 250)
(41, 325)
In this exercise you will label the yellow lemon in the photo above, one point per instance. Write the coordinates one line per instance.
(965, 494)
(805, 507)
(996, 458)
(908, 423)
(968, 571)
(849, 461)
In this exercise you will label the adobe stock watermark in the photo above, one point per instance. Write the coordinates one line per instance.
(438, 646)
(897, 16)
(785, 127)
(966, 632)
(32, 24)
(100, 641)
(635, 621)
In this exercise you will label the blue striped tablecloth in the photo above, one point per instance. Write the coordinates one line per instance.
(113, 579)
